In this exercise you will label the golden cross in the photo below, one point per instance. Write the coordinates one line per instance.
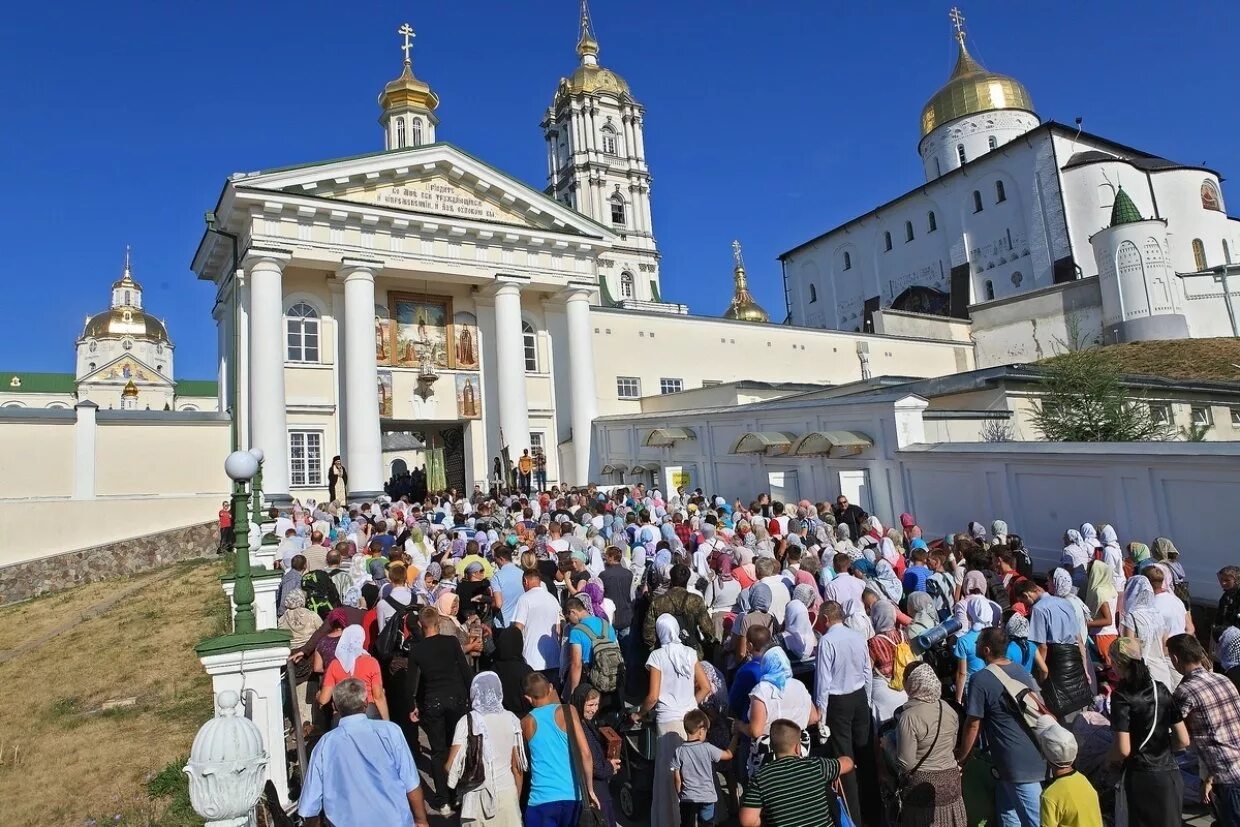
(958, 22)
(736, 254)
(407, 31)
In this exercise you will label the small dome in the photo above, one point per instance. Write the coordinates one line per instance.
(130, 390)
(590, 80)
(970, 90)
(407, 90)
(743, 307)
(126, 280)
(125, 321)
(1123, 211)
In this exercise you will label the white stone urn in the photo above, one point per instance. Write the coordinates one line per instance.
(227, 766)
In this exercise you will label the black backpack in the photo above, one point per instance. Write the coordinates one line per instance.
(996, 591)
(392, 639)
(321, 594)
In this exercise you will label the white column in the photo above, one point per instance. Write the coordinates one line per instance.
(222, 350)
(338, 334)
(514, 412)
(364, 460)
(581, 373)
(84, 451)
(241, 405)
(268, 415)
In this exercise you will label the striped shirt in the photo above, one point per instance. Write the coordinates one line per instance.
(794, 792)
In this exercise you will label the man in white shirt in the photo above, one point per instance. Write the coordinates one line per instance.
(841, 691)
(1175, 617)
(767, 569)
(844, 589)
(537, 615)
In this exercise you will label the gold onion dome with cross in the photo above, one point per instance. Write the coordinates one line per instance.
(589, 78)
(971, 89)
(743, 307)
(125, 318)
(408, 90)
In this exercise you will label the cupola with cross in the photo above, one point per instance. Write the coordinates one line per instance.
(408, 104)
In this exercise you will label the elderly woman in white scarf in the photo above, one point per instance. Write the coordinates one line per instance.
(882, 645)
(495, 802)
(677, 684)
(798, 635)
(981, 615)
(1076, 556)
(1113, 556)
(998, 534)
(1142, 620)
(844, 543)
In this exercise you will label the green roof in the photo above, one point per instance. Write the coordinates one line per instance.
(198, 387)
(27, 382)
(1124, 211)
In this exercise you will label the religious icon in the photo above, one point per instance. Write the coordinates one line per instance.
(383, 336)
(468, 398)
(465, 336)
(421, 328)
(385, 394)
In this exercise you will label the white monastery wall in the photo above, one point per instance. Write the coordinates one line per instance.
(1038, 324)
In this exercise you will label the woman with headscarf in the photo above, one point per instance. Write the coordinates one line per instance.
(882, 646)
(1137, 558)
(1148, 729)
(1062, 586)
(1100, 600)
(1018, 635)
(1111, 554)
(592, 594)
(587, 700)
(744, 570)
(1143, 621)
(722, 592)
(886, 580)
(448, 605)
(1229, 654)
(925, 617)
(998, 534)
(496, 801)
(798, 637)
(677, 685)
(758, 614)
(981, 615)
(775, 697)
(844, 543)
(1076, 555)
(508, 663)
(931, 795)
(1164, 553)
(352, 661)
(301, 624)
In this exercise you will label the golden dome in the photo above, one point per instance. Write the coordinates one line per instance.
(972, 89)
(407, 90)
(125, 321)
(743, 307)
(130, 390)
(126, 280)
(590, 80)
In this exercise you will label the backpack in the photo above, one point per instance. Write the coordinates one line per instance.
(1024, 701)
(997, 592)
(605, 658)
(391, 640)
(942, 601)
(902, 657)
(319, 592)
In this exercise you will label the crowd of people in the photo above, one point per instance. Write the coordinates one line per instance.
(751, 663)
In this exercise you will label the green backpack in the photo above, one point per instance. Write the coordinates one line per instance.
(606, 660)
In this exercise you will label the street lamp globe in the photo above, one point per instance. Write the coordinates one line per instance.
(257, 453)
(241, 466)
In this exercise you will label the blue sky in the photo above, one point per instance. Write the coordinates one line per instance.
(768, 122)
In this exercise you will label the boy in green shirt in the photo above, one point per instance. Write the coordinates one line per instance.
(1069, 800)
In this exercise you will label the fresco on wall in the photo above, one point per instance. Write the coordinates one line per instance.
(421, 326)
(383, 336)
(385, 394)
(465, 341)
(468, 397)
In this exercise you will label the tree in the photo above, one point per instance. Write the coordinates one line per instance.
(1083, 399)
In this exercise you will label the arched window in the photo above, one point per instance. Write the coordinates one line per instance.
(57, 406)
(813, 294)
(399, 466)
(12, 405)
(932, 223)
(908, 231)
(886, 241)
(847, 261)
(611, 143)
(977, 201)
(960, 154)
(126, 297)
(1000, 192)
(1199, 254)
(417, 132)
(531, 347)
(400, 133)
(1226, 252)
(617, 210)
(1209, 197)
(628, 287)
(302, 328)
(992, 142)
(989, 289)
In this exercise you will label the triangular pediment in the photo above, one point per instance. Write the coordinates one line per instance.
(434, 180)
(124, 369)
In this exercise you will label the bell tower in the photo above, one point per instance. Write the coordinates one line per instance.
(596, 164)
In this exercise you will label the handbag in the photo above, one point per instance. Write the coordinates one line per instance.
(589, 816)
(905, 776)
(474, 771)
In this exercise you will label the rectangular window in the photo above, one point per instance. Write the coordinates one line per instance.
(1235, 417)
(303, 340)
(628, 387)
(617, 213)
(538, 442)
(1160, 414)
(1201, 416)
(305, 455)
(671, 385)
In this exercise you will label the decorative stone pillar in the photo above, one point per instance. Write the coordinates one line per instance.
(361, 378)
(910, 425)
(266, 584)
(226, 766)
(84, 431)
(268, 414)
(514, 414)
(581, 373)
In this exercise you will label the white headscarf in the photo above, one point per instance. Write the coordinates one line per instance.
(682, 657)
(349, 648)
(979, 611)
(799, 638)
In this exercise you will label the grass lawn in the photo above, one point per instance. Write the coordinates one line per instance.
(1211, 359)
(66, 761)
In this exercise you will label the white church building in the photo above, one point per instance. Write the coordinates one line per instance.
(1012, 230)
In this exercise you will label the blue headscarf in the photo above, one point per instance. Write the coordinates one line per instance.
(917, 542)
(668, 531)
(776, 669)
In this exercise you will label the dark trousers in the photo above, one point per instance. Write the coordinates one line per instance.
(696, 814)
(438, 717)
(848, 717)
(1227, 804)
(226, 537)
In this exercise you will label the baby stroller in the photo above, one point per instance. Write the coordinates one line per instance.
(632, 788)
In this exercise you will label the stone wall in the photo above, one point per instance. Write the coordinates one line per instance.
(21, 581)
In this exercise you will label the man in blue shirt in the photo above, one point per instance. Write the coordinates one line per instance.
(916, 575)
(507, 582)
(747, 677)
(1056, 628)
(362, 772)
(579, 644)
